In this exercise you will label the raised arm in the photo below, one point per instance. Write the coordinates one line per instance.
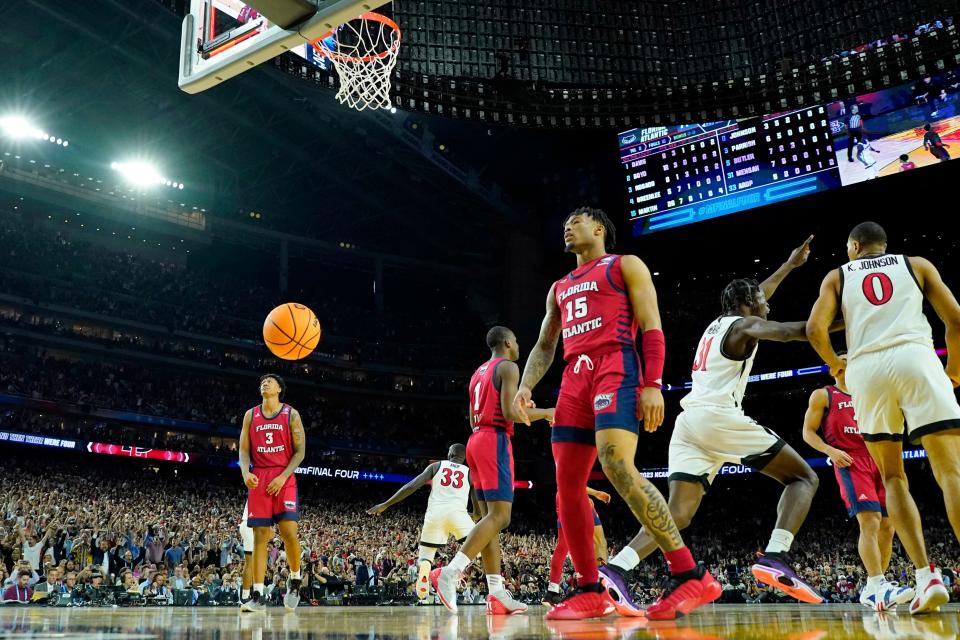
(540, 358)
(299, 452)
(817, 406)
(643, 299)
(248, 478)
(406, 490)
(798, 257)
(945, 304)
(818, 325)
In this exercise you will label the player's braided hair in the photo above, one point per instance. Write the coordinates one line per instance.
(740, 292)
(598, 215)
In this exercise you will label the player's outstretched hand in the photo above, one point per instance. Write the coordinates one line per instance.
(275, 485)
(651, 403)
(376, 509)
(602, 496)
(551, 416)
(798, 257)
(251, 480)
(523, 401)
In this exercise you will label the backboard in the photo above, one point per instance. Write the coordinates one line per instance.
(220, 39)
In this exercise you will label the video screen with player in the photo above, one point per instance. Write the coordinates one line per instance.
(689, 173)
(900, 129)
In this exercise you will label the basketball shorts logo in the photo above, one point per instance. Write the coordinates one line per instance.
(289, 505)
(602, 401)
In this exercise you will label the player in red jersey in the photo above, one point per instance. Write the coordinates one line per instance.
(597, 308)
(273, 443)
(561, 550)
(830, 410)
(490, 458)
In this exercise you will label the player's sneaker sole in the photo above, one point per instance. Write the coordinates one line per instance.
(793, 588)
(930, 599)
(423, 580)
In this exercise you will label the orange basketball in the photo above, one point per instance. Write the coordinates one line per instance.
(291, 331)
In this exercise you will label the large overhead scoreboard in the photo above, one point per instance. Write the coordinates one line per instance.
(689, 173)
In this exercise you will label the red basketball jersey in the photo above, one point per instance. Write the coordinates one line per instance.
(485, 398)
(595, 312)
(271, 444)
(839, 424)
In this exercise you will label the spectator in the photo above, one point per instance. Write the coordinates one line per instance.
(19, 591)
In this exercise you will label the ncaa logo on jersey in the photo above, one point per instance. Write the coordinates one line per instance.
(289, 505)
(602, 401)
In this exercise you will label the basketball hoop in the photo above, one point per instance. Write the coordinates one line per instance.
(364, 52)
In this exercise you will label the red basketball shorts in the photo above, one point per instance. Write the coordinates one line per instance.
(490, 458)
(263, 510)
(861, 486)
(600, 392)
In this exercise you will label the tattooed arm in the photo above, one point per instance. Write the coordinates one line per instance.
(540, 358)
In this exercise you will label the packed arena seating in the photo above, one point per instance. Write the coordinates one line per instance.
(182, 526)
(59, 269)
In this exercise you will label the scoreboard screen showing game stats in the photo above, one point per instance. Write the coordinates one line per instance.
(689, 173)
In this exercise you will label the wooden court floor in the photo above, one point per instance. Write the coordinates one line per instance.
(792, 622)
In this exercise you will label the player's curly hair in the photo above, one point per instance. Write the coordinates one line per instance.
(740, 292)
(598, 215)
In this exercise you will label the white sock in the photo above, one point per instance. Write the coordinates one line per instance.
(780, 541)
(923, 574)
(427, 554)
(554, 587)
(874, 581)
(258, 587)
(494, 582)
(627, 559)
(459, 562)
(245, 594)
(295, 575)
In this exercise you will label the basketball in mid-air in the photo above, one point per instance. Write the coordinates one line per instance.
(291, 331)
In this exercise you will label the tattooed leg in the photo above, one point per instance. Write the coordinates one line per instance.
(617, 450)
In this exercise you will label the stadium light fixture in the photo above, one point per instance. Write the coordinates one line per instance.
(17, 127)
(143, 174)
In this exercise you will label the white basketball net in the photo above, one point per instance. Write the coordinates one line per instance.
(364, 54)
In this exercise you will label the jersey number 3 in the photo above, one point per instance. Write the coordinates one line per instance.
(878, 288)
(456, 481)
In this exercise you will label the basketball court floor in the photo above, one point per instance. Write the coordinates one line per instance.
(791, 622)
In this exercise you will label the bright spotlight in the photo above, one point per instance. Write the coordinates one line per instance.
(393, 109)
(180, 186)
(66, 143)
(138, 173)
(19, 127)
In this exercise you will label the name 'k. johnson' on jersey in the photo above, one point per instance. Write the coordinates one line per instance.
(882, 304)
(595, 312)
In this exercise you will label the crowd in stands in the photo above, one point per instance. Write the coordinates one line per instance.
(126, 386)
(159, 534)
(54, 268)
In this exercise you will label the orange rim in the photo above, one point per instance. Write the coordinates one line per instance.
(375, 17)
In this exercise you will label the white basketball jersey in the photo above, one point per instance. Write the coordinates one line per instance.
(718, 381)
(450, 487)
(882, 304)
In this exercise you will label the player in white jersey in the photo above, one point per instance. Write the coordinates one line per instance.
(446, 514)
(894, 375)
(246, 536)
(712, 430)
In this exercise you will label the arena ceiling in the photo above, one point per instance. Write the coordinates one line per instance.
(103, 73)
